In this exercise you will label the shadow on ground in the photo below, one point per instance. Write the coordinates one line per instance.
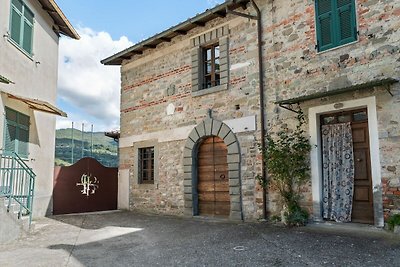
(131, 239)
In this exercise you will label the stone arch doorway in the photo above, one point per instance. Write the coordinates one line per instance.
(219, 131)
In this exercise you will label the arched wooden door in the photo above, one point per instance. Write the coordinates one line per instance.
(213, 180)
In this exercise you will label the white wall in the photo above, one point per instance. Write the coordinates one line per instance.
(34, 77)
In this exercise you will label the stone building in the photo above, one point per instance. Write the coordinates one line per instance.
(190, 106)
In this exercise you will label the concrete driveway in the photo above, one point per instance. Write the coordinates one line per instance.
(131, 239)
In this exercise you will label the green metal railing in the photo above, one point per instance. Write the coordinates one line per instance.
(17, 181)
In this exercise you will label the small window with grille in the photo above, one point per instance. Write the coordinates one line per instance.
(336, 23)
(146, 165)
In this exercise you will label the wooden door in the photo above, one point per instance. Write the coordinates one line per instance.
(363, 210)
(213, 182)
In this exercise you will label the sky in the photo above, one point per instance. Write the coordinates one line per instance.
(89, 91)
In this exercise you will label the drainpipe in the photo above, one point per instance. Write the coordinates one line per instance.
(261, 91)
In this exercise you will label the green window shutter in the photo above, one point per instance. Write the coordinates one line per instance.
(336, 23)
(21, 25)
(17, 4)
(10, 137)
(27, 43)
(23, 135)
(16, 135)
(346, 22)
(325, 30)
(15, 25)
(23, 142)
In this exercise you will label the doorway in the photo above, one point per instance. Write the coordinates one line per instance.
(362, 210)
(213, 180)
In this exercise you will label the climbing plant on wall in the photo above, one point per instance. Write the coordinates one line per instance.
(287, 158)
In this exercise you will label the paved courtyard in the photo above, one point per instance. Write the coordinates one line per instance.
(130, 239)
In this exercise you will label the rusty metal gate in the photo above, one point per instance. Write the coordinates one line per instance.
(86, 186)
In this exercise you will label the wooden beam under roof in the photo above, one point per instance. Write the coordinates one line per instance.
(182, 32)
(152, 46)
(166, 39)
(199, 23)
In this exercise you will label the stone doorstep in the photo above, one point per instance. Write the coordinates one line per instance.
(215, 219)
(356, 228)
(23, 221)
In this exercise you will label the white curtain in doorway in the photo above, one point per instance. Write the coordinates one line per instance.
(338, 171)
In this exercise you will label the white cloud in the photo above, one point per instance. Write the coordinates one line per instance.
(89, 88)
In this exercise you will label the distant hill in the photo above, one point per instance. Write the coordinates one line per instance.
(104, 149)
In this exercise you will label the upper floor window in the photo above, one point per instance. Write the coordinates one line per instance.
(209, 57)
(336, 23)
(211, 66)
(16, 133)
(21, 25)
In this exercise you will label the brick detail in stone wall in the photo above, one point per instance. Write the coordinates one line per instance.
(391, 197)
(177, 71)
(165, 99)
(237, 50)
(237, 80)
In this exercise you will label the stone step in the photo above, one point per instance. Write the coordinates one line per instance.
(14, 210)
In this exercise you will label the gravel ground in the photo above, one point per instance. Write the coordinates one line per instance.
(131, 239)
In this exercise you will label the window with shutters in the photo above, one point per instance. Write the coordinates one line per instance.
(21, 25)
(16, 133)
(210, 62)
(336, 23)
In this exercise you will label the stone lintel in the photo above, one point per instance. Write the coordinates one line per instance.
(233, 148)
(234, 182)
(233, 166)
(208, 126)
(200, 129)
(234, 190)
(233, 158)
(216, 127)
(224, 131)
(187, 161)
(230, 138)
(187, 169)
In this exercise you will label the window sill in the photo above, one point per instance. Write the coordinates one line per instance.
(210, 90)
(337, 47)
(19, 48)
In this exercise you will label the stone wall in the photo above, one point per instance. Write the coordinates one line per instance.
(295, 68)
(161, 79)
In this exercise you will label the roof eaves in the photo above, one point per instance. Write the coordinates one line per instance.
(193, 22)
(59, 18)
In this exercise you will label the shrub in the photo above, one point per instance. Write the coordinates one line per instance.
(393, 221)
(287, 158)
